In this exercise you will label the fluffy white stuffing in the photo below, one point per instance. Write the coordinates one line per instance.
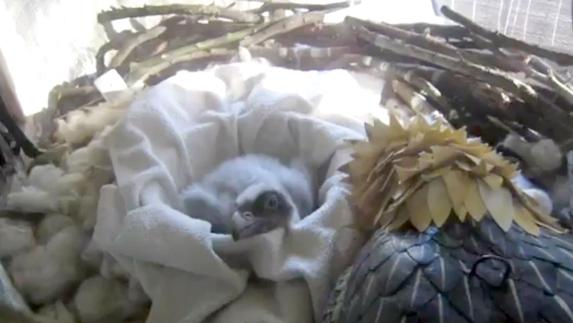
(43, 177)
(31, 199)
(80, 125)
(48, 271)
(56, 313)
(15, 237)
(546, 155)
(103, 300)
(50, 225)
(68, 184)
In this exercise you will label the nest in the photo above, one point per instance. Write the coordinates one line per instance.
(488, 82)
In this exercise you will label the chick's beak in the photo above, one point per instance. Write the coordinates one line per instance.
(238, 222)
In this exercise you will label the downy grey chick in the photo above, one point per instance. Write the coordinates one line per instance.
(250, 195)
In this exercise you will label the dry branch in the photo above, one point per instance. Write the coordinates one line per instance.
(494, 77)
(415, 100)
(429, 90)
(180, 9)
(327, 35)
(443, 31)
(433, 44)
(131, 44)
(270, 5)
(283, 26)
(141, 71)
(502, 40)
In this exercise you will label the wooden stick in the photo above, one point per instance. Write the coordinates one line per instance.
(416, 101)
(140, 72)
(270, 5)
(131, 44)
(181, 9)
(492, 76)
(283, 26)
(428, 89)
(433, 44)
(443, 31)
(27, 146)
(502, 40)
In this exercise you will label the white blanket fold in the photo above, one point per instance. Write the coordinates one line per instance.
(181, 129)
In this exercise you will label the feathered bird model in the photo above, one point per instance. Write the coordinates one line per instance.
(455, 240)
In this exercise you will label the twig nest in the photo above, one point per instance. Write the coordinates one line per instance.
(421, 174)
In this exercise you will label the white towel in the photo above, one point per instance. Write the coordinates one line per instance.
(181, 129)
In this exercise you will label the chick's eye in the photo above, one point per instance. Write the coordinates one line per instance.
(272, 202)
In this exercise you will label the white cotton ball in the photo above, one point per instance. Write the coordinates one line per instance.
(546, 155)
(543, 200)
(44, 176)
(69, 184)
(92, 255)
(46, 272)
(31, 200)
(135, 292)
(80, 125)
(103, 300)
(110, 268)
(18, 181)
(79, 160)
(88, 208)
(94, 154)
(68, 205)
(517, 145)
(50, 225)
(15, 237)
(56, 313)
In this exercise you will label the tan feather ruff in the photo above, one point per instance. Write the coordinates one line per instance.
(423, 174)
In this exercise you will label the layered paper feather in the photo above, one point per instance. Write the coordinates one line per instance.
(423, 174)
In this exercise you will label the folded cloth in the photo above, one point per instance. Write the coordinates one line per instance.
(178, 131)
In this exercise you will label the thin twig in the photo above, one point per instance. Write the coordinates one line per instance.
(181, 9)
(428, 89)
(270, 5)
(19, 136)
(495, 77)
(416, 101)
(502, 40)
(444, 31)
(433, 44)
(552, 79)
(100, 57)
(131, 44)
(141, 71)
(189, 61)
(283, 26)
